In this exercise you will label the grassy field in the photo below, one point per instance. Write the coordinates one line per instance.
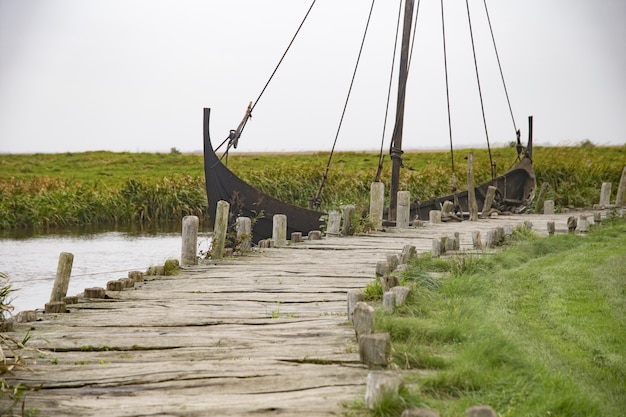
(536, 330)
(49, 190)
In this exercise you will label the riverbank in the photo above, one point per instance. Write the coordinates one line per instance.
(265, 333)
(98, 188)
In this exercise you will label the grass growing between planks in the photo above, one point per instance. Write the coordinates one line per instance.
(536, 330)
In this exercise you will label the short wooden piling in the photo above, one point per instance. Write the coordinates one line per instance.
(389, 301)
(95, 292)
(401, 294)
(387, 282)
(476, 241)
(348, 211)
(296, 237)
(62, 280)
(374, 349)
(136, 276)
(115, 285)
(620, 198)
(315, 235)
(408, 252)
(491, 194)
(363, 319)
(435, 251)
(403, 212)
(55, 307)
(334, 223)
(380, 386)
(605, 194)
(279, 230)
(70, 299)
(190, 241)
(597, 217)
(219, 229)
(434, 216)
(354, 297)
(382, 268)
(244, 234)
(377, 202)
(471, 191)
(548, 207)
(551, 228)
(393, 261)
(571, 224)
(447, 208)
(583, 224)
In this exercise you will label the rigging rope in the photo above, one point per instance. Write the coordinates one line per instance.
(417, 12)
(393, 61)
(445, 65)
(234, 135)
(480, 94)
(316, 201)
(506, 91)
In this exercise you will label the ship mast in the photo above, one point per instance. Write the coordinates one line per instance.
(396, 139)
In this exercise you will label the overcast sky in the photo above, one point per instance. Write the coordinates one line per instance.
(134, 75)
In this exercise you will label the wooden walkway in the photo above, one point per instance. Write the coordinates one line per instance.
(264, 334)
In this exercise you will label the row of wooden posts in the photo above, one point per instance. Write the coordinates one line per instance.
(377, 198)
(375, 348)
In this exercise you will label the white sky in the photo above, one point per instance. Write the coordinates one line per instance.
(134, 75)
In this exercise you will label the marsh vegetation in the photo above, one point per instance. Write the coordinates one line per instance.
(99, 188)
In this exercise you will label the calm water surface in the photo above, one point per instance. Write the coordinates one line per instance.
(31, 261)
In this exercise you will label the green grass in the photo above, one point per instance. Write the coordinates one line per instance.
(536, 330)
(91, 188)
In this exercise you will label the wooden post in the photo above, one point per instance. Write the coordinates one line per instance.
(571, 224)
(347, 220)
(605, 194)
(244, 234)
(548, 207)
(434, 216)
(363, 319)
(539, 205)
(315, 235)
(354, 296)
(389, 301)
(279, 230)
(597, 217)
(190, 241)
(401, 294)
(383, 385)
(471, 192)
(551, 228)
(403, 214)
(219, 229)
(334, 223)
(435, 251)
(374, 349)
(583, 224)
(620, 199)
(377, 202)
(476, 241)
(62, 280)
(55, 307)
(446, 208)
(491, 193)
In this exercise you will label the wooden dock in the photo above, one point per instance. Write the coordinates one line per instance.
(263, 334)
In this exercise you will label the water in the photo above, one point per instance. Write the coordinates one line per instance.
(99, 256)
